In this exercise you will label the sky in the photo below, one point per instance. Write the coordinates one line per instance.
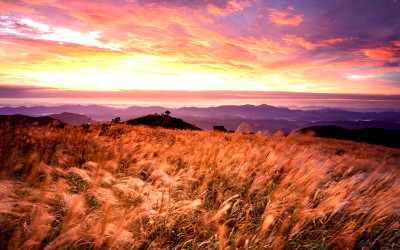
(200, 52)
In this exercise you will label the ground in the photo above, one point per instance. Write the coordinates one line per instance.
(139, 187)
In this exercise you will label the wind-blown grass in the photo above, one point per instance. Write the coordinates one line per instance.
(138, 187)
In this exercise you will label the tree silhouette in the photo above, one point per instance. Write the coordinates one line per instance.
(167, 112)
(220, 128)
(116, 120)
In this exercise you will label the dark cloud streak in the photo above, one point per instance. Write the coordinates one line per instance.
(32, 92)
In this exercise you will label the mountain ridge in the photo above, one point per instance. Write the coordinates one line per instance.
(262, 116)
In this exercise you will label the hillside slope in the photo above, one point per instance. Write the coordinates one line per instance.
(163, 121)
(25, 120)
(73, 119)
(138, 187)
(385, 137)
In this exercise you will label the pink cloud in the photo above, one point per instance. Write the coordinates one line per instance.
(106, 15)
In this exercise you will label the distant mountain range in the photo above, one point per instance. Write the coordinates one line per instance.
(43, 110)
(262, 117)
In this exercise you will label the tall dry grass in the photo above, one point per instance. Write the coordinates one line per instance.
(135, 187)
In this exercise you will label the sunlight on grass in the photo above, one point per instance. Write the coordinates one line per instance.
(139, 187)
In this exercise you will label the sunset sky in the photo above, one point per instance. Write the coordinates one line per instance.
(199, 51)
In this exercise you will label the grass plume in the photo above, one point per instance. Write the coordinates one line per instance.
(141, 187)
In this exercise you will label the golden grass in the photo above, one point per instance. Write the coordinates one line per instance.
(125, 187)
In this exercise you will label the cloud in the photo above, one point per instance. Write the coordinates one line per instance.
(293, 39)
(219, 44)
(39, 2)
(18, 91)
(109, 15)
(396, 43)
(10, 7)
(73, 36)
(383, 53)
(392, 76)
(26, 28)
(233, 52)
(285, 18)
(9, 91)
(231, 7)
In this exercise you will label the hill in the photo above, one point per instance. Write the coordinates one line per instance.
(146, 187)
(73, 119)
(163, 121)
(385, 137)
(24, 120)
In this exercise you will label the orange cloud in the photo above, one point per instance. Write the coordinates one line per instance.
(232, 6)
(175, 47)
(216, 11)
(108, 16)
(310, 45)
(45, 55)
(7, 7)
(233, 52)
(382, 53)
(38, 2)
(284, 18)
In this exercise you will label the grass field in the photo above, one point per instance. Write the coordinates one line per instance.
(138, 187)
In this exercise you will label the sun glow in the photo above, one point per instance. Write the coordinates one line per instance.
(142, 72)
(125, 80)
